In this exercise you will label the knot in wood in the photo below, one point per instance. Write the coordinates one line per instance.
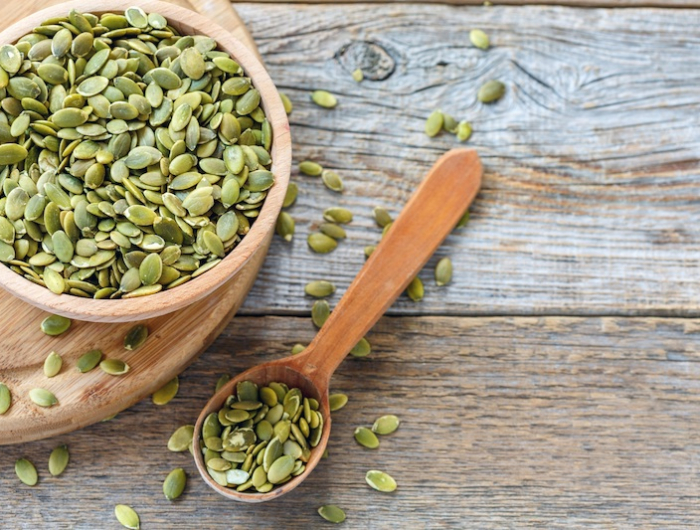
(373, 59)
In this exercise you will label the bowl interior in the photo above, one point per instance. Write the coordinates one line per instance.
(187, 23)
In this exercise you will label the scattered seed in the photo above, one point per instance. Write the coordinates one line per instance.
(285, 226)
(433, 125)
(42, 397)
(291, 195)
(386, 424)
(369, 249)
(58, 461)
(223, 379)
(479, 39)
(89, 360)
(297, 349)
(357, 75)
(310, 168)
(463, 221)
(321, 243)
(337, 401)
(443, 272)
(380, 481)
(320, 312)
(136, 337)
(324, 99)
(52, 364)
(415, 290)
(319, 289)
(167, 392)
(181, 438)
(26, 472)
(337, 215)
(287, 103)
(361, 349)
(381, 216)
(491, 91)
(332, 513)
(332, 180)
(366, 438)
(55, 325)
(464, 131)
(174, 484)
(333, 230)
(126, 515)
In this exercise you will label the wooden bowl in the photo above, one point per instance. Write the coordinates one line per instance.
(238, 261)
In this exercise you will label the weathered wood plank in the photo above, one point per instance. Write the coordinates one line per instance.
(591, 178)
(548, 422)
(573, 3)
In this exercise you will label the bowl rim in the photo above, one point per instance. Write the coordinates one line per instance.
(120, 310)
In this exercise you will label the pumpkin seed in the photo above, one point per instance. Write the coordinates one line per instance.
(357, 75)
(415, 289)
(174, 484)
(58, 460)
(464, 131)
(223, 379)
(298, 348)
(332, 180)
(290, 196)
(320, 312)
(55, 325)
(380, 481)
(52, 364)
(386, 424)
(366, 438)
(337, 215)
(12, 154)
(88, 361)
(321, 243)
(361, 349)
(26, 472)
(332, 513)
(443, 272)
(181, 438)
(285, 226)
(42, 397)
(337, 401)
(491, 91)
(114, 367)
(433, 125)
(167, 392)
(126, 515)
(479, 39)
(319, 289)
(287, 103)
(381, 216)
(10, 59)
(5, 398)
(324, 99)
(136, 337)
(463, 220)
(310, 168)
(333, 230)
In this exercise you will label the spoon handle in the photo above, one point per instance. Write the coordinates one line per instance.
(427, 219)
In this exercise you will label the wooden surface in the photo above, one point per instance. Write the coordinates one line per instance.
(167, 301)
(173, 343)
(554, 383)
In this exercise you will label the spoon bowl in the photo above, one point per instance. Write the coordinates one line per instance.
(427, 219)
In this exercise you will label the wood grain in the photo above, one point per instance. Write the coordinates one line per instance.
(544, 422)
(498, 3)
(591, 172)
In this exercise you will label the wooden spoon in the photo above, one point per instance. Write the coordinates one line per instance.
(426, 220)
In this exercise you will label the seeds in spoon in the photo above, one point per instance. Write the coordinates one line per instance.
(43, 397)
(52, 364)
(5, 398)
(127, 517)
(58, 460)
(386, 424)
(167, 392)
(332, 513)
(55, 325)
(26, 472)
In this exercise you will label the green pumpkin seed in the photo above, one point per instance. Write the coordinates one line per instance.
(464, 131)
(42, 397)
(181, 439)
(61, 42)
(386, 424)
(55, 325)
(366, 438)
(381, 216)
(174, 484)
(287, 103)
(324, 99)
(136, 337)
(150, 269)
(479, 39)
(491, 91)
(380, 481)
(319, 289)
(337, 401)
(248, 102)
(10, 59)
(321, 243)
(310, 168)
(223, 379)
(280, 469)
(297, 349)
(361, 349)
(58, 460)
(285, 226)
(167, 392)
(114, 367)
(433, 125)
(26, 472)
(291, 195)
(89, 360)
(5, 398)
(415, 290)
(333, 230)
(443, 272)
(357, 75)
(332, 513)
(332, 180)
(320, 312)
(12, 154)
(337, 215)
(126, 515)
(53, 364)
(192, 63)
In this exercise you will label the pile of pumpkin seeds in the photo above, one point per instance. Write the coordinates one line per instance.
(132, 158)
(262, 437)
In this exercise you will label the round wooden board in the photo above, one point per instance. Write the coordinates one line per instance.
(175, 340)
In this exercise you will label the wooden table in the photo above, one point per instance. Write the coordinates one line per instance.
(554, 383)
